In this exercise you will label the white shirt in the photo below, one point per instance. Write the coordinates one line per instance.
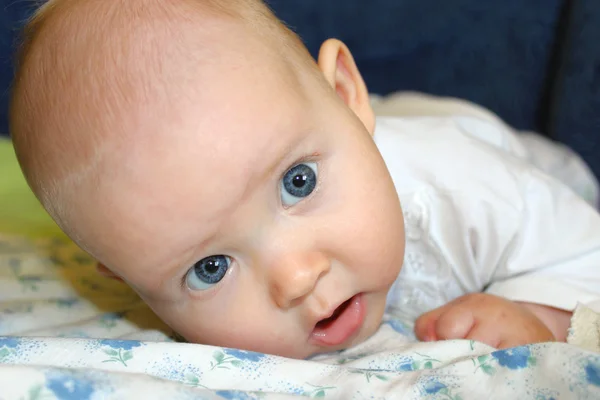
(480, 217)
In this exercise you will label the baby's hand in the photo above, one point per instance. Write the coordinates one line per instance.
(485, 318)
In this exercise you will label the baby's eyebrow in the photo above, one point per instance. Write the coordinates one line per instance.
(276, 166)
(161, 272)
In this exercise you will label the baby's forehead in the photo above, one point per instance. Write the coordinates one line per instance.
(246, 131)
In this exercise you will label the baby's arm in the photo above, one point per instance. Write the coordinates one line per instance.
(534, 244)
(557, 321)
(485, 318)
(555, 260)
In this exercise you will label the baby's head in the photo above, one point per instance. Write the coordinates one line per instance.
(197, 151)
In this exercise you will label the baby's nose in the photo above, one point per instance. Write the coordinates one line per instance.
(295, 275)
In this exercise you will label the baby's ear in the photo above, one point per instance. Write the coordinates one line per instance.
(107, 272)
(338, 66)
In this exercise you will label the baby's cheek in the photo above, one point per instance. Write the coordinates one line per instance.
(251, 333)
(234, 319)
(383, 251)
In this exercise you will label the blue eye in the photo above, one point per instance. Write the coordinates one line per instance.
(207, 272)
(298, 183)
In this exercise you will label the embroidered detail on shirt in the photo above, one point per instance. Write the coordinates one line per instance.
(426, 280)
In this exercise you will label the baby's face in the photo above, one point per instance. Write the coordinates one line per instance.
(257, 214)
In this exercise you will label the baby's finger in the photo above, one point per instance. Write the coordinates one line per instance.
(485, 333)
(424, 328)
(425, 324)
(455, 323)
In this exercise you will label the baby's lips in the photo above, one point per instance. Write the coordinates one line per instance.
(346, 325)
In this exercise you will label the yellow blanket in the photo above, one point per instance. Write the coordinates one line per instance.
(20, 212)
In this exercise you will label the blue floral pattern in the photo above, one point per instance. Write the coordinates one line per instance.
(417, 361)
(153, 366)
(120, 351)
(66, 387)
(120, 344)
(512, 359)
(434, 387)
(592, 373)
(8, 347)
(9, 342)
(516, 358)
(244, 355)
(235, 395)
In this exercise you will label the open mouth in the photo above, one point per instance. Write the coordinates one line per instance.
(324, 323)
(342, 324)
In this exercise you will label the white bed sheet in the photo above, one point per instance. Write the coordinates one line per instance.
(67, 333)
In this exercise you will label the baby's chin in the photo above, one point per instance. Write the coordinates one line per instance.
(303, 350)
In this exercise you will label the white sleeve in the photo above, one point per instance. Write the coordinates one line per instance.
(494, 222)
(545, 240)
(554, 257)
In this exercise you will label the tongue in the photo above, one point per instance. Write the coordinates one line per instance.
(341, 325)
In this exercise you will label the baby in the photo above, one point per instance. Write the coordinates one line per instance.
(252, 199)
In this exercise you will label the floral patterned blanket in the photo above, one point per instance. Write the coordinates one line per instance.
(67, 333)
